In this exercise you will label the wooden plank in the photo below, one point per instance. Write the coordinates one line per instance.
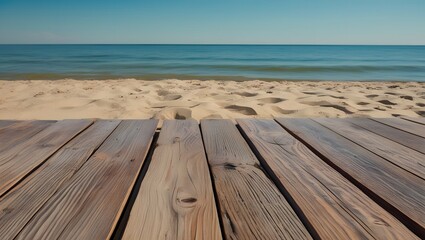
(401, 193)
(20, 204)
(404, 125)
(334, 207)
(17, 162)
(176, 199)
(415, 120)
(20, 132)
(404, 157)
(409, 140)
(90, 204)
(6, 123)
(251, 205)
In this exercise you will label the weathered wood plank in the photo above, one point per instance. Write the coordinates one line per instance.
(404, 157)
(20, 132)
(90, 204)
(409, 140)
(334, 207)
(17, 162)
(404, 125)
(176, 199)
(20, 204)
(416, 120)
(400, 192)
(6, 123)
(251, 205)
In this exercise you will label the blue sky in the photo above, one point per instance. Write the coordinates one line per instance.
(213, 21)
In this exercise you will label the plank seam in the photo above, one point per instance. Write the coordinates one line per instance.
(216, 199)
(404, 219)
(75, 172)
(386, 159)
(411, 120)
(397, 127)
(272, 176)
(358, 125)
(125, 214)
(45, 160)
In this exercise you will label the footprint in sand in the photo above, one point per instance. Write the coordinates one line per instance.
(387, 102)
(174, 113)
(245, 94)
(168, 96)
(311, 93)
(341, 108)
(362, 103)
(390, 93)
(329, 105)
(380, 108)
(420, 104)
(372, 96)
(282, 111)
(241, 109)
(332, 96)
(171, 97)
(271, 100)
(407, 97)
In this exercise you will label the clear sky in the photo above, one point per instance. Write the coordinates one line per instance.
(213, 21)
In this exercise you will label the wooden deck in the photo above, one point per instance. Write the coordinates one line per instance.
(257, 179)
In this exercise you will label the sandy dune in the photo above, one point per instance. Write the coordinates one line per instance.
(182, 99)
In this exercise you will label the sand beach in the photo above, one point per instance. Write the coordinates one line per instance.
(199, 99)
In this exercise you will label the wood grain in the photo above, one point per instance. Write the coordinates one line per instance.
(404, 125)
(404, 157)
(90, 204)
(334, 207)
(401, 193)
(251, 205)
(415, 120)
(409, 140)
(175, 200)
(20, 205)
(20, 132)
(17, 162)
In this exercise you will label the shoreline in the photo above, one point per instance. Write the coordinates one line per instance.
(232, 79)
(199, 99)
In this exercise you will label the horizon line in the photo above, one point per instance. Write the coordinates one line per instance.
(218, 44)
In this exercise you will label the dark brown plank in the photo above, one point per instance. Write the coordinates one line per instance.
(415, 120)
(20, 204)
(401, 193)
(20, 132)
(409, 140)
(251, 205)
(404, 157)
(17, 162)
(6, 123)
(90, 204)
(404, 125)
(334, 207)
(175, 200)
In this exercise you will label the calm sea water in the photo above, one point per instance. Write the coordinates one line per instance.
(236, 62)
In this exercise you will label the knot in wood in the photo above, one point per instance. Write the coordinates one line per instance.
(176, 139)
(187, 202)
(229, 166)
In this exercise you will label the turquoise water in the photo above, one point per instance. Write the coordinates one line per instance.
(236, 62)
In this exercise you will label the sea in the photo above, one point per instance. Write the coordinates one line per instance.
(219, 62)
